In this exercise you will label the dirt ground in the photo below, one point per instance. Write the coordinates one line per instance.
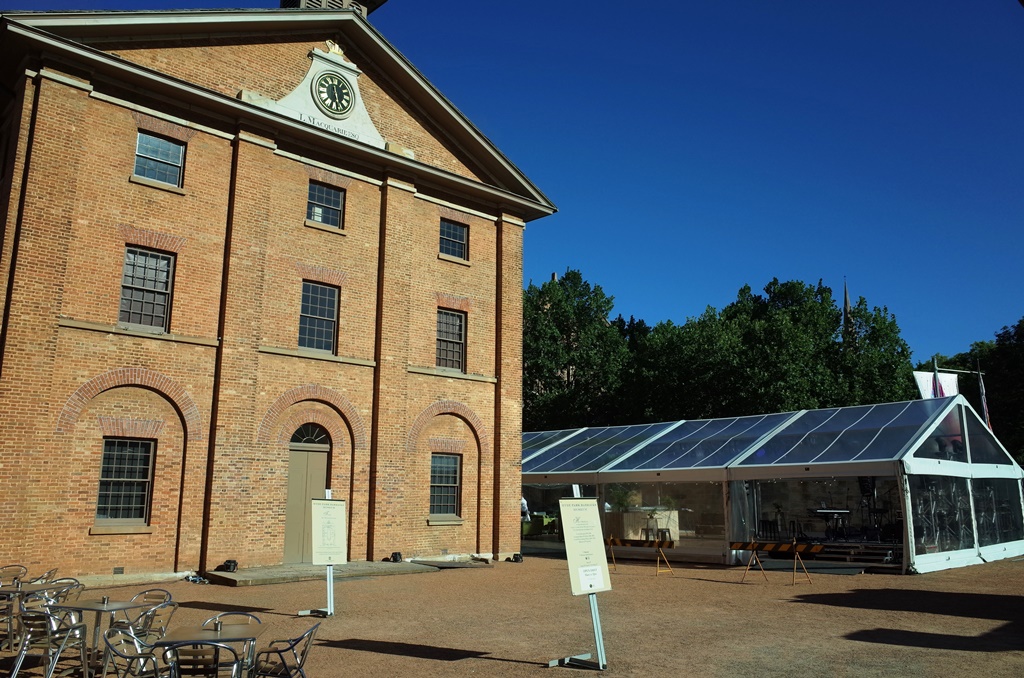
(512, 618)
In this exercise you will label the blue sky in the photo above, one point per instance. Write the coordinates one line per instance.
(693, 147)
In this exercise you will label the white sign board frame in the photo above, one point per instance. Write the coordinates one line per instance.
(584, 546)
(330, 532)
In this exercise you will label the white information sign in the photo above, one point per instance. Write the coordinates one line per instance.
(584, 546)
(330, 532)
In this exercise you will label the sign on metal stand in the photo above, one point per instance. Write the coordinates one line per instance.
(588, 569)
(330, 545)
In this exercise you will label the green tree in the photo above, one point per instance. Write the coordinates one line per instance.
(874, 360)
(572, 355)
(783, 350)
(1004, 382)
(789, 342)
(631, 399)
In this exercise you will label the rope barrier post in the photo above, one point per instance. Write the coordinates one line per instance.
(661, 557)
(753, 547)
(798, 559)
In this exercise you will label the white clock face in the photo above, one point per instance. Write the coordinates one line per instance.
(333, 95)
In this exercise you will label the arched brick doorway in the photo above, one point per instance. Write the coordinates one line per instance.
(309, 455)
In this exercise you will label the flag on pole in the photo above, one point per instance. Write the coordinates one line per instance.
(937, 391)
(926, 384)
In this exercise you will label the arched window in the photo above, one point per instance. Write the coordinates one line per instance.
(311, 434)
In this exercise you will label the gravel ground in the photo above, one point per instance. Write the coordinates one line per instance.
(512, 618)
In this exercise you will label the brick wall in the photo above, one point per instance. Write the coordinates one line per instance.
(223, 392)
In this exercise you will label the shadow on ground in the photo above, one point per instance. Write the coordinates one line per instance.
(217, 608)
(1005, 638)
(977, 605)
(443, 654)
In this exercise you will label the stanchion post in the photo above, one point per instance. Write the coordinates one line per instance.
(598, 636)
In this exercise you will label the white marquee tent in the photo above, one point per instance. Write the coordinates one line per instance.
(847, 478)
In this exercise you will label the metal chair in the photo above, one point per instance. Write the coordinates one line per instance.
(74, 592)
(64, 589)
(151, 597)
(285, 657)
(47, 599)
(63, 582)
(201, 659)
(29, 602)
(33, 602)
(234, 618)
(247, 649)
(50, 635)
(8, 573)
(7, 619)
(44, 578)
(151, 625)
(129, 656)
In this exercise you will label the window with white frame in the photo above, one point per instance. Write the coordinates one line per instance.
(326, 205)
(451, 339)
(159, 159)
(318, 317)
(445, 484)
(147, 281)
(126, 481)
(454, 239)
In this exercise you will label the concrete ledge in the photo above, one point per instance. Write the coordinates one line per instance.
(103, 581)
(281, 574)
(452, 564)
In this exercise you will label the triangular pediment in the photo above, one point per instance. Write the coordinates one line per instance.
(263, 64)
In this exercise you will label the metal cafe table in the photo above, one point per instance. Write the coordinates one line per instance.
(100, 607)
(228, 633)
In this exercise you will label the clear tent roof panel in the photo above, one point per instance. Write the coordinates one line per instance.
(891, 438)
(592, 449)
(862, 433)
(705, 443)
(534, 441)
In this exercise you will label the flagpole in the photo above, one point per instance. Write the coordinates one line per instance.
(984, 399)
(936, 384)
(847, 315)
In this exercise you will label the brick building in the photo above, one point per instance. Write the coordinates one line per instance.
(249, 256)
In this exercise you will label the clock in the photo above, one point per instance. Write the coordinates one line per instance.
(333, 95)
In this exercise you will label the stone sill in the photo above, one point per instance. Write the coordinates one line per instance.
(454, 260)
(316, 355)
(336, 230)
(451, 374)
(145, 181)
(121, 529)
(130, 332)
(444, 520)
